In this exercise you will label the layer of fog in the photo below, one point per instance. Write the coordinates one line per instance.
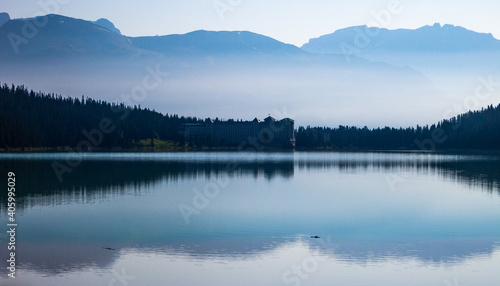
(313, 93)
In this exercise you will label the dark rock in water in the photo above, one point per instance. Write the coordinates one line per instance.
(315, 236)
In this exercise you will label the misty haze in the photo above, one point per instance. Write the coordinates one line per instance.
(250, 143)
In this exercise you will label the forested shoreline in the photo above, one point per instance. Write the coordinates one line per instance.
(31, 120)
(471, 130)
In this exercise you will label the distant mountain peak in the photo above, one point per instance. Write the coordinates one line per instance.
(202, 42)
(105, 23)
(62, 37)
(70, 37)
(4, 18)
(436, 38)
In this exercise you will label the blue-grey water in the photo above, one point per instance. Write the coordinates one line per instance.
(247, 219)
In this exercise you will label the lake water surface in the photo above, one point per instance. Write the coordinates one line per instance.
(247, 219)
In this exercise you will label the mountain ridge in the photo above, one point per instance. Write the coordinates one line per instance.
(215, 72)
(105, 23)
(430, 38)
(215, 42)
(4, 18)
(58, 36)
(435, 38)
(80, 37)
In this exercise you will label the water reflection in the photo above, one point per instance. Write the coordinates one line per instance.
(99, 176)
(94, 180)
(130, 203)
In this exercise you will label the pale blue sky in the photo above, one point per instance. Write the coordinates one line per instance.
(290, 21)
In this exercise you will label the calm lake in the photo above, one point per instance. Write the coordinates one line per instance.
(249, 218)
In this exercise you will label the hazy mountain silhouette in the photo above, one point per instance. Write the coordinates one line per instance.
(55, 37)
(209, 42)
(4, 18)
(437, 49)
(105, 23)
(239, 68)
(435, 38)
(456, 60)
(62, 36)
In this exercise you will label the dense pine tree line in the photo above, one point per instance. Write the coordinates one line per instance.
(472, 130)
(37, 119)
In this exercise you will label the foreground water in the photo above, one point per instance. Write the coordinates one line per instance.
(247, 219)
